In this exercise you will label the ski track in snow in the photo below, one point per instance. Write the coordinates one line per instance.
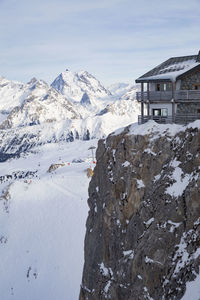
(63, 190)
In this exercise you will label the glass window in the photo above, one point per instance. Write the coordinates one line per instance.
(197, 86)
(164, 86)
(158, 87)
(168, 86)
(164, 112)
(156, 112)
(160, 112)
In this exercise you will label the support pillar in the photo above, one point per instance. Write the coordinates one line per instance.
(148, 100)
(173, 104)
(142, 102)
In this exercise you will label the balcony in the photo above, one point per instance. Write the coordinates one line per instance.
(167, 96)
(178, 119)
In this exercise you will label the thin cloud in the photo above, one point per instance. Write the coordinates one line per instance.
(120, 39)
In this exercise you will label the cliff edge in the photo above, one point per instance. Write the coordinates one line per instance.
(143, 228)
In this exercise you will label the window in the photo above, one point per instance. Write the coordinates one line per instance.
(198, 111)
(197, 86)
(164, 86)
(160, 112)
(168, 86)
(158, 87)
(157, 112)
(164, 112)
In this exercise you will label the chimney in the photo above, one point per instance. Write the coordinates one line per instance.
(198, 57)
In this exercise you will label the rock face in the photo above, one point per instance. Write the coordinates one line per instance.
(143, 229)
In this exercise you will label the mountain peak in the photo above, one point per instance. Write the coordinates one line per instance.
(74, 84)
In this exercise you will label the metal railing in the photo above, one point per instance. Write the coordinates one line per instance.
(177, 118)
(178, 96)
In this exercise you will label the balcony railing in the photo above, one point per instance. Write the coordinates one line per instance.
(177, 118)
(167, 96)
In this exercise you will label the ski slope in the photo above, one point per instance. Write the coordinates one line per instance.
(42, 223)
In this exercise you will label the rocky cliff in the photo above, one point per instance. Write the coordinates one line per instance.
(143, 228)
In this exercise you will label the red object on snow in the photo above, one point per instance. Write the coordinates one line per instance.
(94, 162)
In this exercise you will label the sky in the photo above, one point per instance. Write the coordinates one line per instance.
(115, 40)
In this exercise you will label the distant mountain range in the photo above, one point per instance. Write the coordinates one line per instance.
(74, 106)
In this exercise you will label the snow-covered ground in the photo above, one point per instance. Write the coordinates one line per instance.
(42, 221)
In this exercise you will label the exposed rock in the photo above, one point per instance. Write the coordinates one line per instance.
(85, 100)
(53, 167)
(90, 172)
(143, 229)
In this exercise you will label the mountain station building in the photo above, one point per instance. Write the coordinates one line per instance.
(171, 91)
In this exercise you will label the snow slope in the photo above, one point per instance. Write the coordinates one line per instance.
(42, 221)
(119, 89)
(15, 140)
(10, 96)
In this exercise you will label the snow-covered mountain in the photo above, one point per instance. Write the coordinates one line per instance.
(131, 93)
(73, 85)
(42, 104)
(120, 89)
(40, 114)
(10, 96)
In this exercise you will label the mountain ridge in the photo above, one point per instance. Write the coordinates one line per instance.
(38, 106)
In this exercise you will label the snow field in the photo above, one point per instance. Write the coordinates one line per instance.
(44, 227)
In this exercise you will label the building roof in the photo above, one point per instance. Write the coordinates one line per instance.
(172, 69)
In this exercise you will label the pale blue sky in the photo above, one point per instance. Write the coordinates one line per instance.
(116, 40)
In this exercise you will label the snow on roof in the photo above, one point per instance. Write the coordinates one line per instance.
(171, 68)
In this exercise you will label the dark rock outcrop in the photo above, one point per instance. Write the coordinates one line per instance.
(143, 229)
(85, 100)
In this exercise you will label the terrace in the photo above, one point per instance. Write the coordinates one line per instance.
(177, 118)
(166, 96)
